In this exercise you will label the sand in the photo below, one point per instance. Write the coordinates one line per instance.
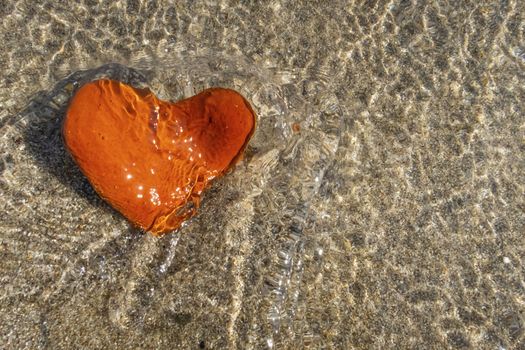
(380, 205)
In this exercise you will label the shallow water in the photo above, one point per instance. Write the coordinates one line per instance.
(393, 217)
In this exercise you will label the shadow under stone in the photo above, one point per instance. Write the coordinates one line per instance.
(42, 125)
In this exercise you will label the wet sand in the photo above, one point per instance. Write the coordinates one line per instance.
(380, 205)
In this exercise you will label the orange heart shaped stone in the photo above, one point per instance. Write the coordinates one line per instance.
(152, 159)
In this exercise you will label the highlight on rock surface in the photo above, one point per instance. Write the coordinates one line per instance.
(152, 159)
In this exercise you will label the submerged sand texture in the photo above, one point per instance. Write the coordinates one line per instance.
(381, 203)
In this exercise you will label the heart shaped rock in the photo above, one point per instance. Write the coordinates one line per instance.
(152, 159)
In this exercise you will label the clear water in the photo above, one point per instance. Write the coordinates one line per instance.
(393, 218)
(260, 213)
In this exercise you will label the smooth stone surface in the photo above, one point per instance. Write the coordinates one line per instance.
(152, 159)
